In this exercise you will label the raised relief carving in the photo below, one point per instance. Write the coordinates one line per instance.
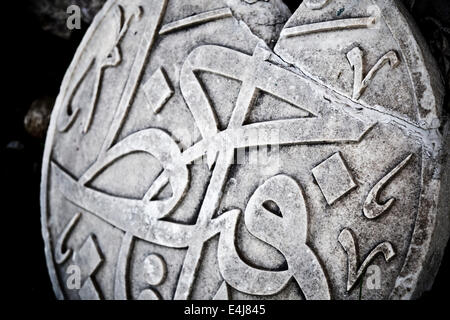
(372, 209)
(135, 74)
(355, 58)
(223, 292)
(88, 258)
(144, 218)
(328, 26)
(149, 294)
(113, 59)
(161, 146)
(196, 20)
(319, 125)
(60, 256)
(253, 72)
(288, 234)
(334, 178)
(348, 242)
(158, 90)
(154, 269)
(109, 59)
(120, 278)
(155, 272)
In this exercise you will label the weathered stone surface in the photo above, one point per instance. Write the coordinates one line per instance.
(158, 183)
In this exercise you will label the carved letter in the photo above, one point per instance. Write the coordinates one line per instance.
(348, 242)
(288, 234)
(355, 57)
(371, 207)
(61, 256)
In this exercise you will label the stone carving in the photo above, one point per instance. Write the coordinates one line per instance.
(88, 258)
(222, 293)
(410, 92)
(327, 26)
(60, 256)
(287, 233)
(252, 80)
(148, 294)
(108, 59)
(196, 20)
(333, 178)
(120, 278)
(372, 209)
(355, 57)
(174, 227)
(348, 242)
(130, 88)
(155, 269)
(158, 90)
(155, 272)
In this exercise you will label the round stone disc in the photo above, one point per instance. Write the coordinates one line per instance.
(233, 150)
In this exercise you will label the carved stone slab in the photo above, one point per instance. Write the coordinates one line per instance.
(231, 150)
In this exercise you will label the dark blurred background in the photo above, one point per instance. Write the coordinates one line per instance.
(39, 48)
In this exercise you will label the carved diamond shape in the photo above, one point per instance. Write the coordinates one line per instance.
(333, 178)
(158, 90)
(88, 256)
(88, 291)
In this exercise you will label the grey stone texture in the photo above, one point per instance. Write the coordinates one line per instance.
(233, 150)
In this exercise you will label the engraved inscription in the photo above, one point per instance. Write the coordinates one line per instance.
(327, 26)
(89, 258)
(372, 209)
(334, 178)
(348, 242)
(196, 20)
(223, 292)
(120, 278)
(288, 234)
(155, 272)
(158, 90)
(60, 256)
(269, 231)
(360, 84)
(111, 58)
(256, 74)
(252, 72)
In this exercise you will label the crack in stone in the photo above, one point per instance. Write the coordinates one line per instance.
(431, 139)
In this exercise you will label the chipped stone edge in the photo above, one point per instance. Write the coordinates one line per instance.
(102, 14)
(431, 230)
